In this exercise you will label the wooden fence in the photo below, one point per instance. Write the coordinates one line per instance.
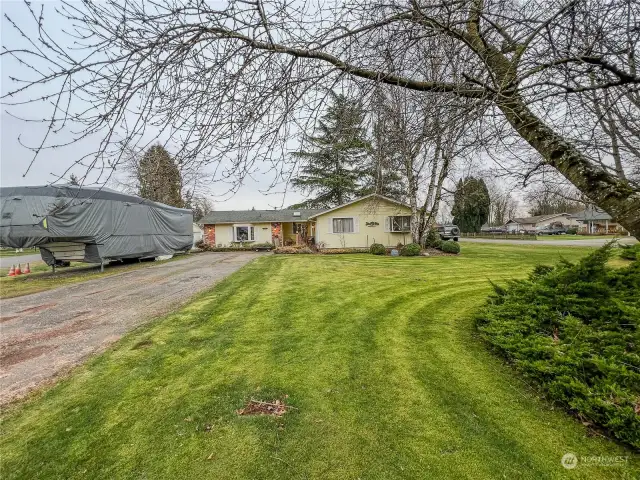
(500, 236)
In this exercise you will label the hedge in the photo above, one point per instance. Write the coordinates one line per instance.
(450, 247)
(630, 252)
(377, 249)
(574, 330)
(410, 250)
(293, 250)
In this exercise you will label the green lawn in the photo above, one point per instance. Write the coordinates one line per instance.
(377, 355)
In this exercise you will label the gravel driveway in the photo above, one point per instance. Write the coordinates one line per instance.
(44, 334)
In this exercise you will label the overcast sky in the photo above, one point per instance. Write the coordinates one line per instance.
(50, 164)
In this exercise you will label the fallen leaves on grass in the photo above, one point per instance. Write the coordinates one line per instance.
(276, 408)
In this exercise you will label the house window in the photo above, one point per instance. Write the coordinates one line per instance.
(299, 228)
(244, 233)
(343, 225)
(401, 223)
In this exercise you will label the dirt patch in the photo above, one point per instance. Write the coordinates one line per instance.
(275, 408)
(8, 318)
(20, 355)
(69, 329)
(37, 308)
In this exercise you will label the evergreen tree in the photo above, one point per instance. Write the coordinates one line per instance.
(73, 180)
(159, 177)
(471, 204)
(381, 173)
(334, 165)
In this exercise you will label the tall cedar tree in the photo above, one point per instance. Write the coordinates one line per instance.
(471, 204)
(159, 177)
(334, 166)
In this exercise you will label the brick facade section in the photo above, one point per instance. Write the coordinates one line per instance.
(209, 235)
(276, 234)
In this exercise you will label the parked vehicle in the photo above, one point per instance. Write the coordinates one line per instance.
(448, 232)
(551, 230)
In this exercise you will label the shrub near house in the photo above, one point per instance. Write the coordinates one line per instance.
(450, 247)
(410, 250)
(575, 331)
(378, 249)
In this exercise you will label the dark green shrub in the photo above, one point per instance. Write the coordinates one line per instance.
(410, 250)
(432, 239)
(572, 231)
(574, 330)
(630, 252)
(450, 247)
(377, 249)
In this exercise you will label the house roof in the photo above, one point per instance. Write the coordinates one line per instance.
(371, 195)
(591, 213)
(536, 218)
(258, 216)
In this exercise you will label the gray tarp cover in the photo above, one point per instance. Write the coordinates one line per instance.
(112, 224)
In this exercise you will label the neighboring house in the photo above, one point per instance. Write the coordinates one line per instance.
(594, 220)
(531, 224)
(356, 224)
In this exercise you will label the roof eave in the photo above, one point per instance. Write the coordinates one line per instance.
(359, 200)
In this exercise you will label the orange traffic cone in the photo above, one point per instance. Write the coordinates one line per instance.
(18, 270)
(12, 271)
(27, 269)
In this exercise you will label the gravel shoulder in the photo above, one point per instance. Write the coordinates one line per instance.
(46, 333)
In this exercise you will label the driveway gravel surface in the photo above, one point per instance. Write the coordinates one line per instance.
(44, 334)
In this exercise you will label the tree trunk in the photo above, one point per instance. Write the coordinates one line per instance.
(612, 194)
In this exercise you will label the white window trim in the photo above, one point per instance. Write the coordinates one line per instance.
(354, 220)
(249, 227)
(391, 230)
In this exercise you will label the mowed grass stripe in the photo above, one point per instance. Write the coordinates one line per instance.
(377, 355)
